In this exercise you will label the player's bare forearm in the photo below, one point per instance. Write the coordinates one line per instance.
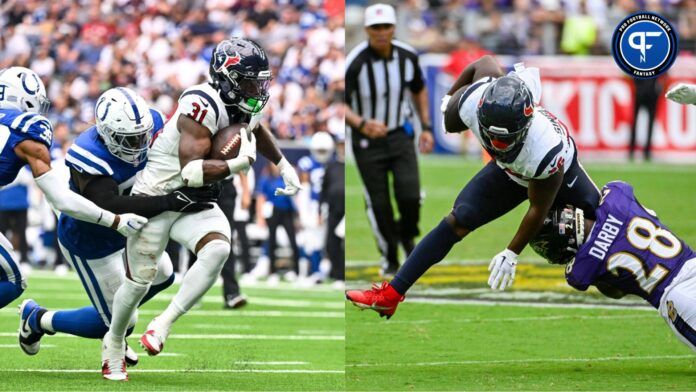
(484, 66)
(266, 144)
(194, 145)
(541, 196)
(215, 170)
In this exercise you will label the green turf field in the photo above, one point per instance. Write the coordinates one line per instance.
(285, 339)
(453, 333)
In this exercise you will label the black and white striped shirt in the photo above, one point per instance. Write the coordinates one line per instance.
(375, 86)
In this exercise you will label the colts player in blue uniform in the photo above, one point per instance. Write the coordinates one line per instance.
(626, 250)
(311, 170)
(103, 163)
(25, 138)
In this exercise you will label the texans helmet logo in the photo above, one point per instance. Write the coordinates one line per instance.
(528, 110)
(232, 60)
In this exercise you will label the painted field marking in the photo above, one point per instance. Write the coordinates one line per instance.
(529, 360)
(220, 336)
(17, 346)
(168, 354)
(484, 302)
(537, 318)
(297, 371)
(7, 312)
(271, 363)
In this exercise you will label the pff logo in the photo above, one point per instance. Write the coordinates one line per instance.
(644, 45)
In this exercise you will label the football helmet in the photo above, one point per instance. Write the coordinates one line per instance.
(22, 89)
(239, 70)
(321, 146)
(561, 236)
(505, 114)
(124, 123)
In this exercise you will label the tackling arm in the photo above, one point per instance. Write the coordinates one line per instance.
(56, 190)
(194, 146)
(485, 66)
(541, 196)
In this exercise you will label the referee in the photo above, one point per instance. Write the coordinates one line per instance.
(383, 82)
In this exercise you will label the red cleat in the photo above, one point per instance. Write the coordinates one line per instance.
(382, 299)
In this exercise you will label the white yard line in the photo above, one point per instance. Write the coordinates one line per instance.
(220, 336)
(300, 371)
(271, 363)
(166, 354)
(528, 360)
(466, 302)
(17, 346)
(8, 312)
(524, 319)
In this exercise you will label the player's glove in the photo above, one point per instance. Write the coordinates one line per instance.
(292, 182)
(502, 269)
(192, 199)
(682, 93)
(248, 146)
(129, 224)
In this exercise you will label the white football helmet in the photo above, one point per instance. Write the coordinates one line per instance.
(22, 89)
(321, 146)
(125, 124)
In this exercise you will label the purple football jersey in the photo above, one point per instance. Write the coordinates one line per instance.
(628, 249)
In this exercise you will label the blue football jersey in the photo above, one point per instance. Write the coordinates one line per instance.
(15, 127)
(89, 155)
(309, 165)
(628, 249)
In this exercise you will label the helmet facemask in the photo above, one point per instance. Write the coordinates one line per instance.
(249, 93)
(131, 147)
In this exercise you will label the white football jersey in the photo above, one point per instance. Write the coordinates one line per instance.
(548, 144)
(162, 173)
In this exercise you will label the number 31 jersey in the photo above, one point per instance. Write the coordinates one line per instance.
(202, 103)
(628, 248)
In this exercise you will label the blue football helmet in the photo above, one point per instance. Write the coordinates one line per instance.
(505, 114)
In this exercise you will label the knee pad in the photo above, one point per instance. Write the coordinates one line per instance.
(217, 250)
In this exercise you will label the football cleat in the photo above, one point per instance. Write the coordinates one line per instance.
(235, 302)
(154, 337)
(113, 360)
(131, 356)
(30, 333)
(382, 299)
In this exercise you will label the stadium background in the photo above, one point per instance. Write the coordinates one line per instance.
(453, 332)
(80, 48)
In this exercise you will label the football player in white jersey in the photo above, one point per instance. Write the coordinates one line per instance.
(25, 138)
(237, 93)
(533, 158)
(682, 93)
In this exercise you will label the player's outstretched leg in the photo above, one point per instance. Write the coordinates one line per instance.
(197, 281)
(431, 249)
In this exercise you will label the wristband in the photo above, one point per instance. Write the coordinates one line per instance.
(361, 125)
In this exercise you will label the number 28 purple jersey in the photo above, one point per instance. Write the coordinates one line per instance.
(628, 248)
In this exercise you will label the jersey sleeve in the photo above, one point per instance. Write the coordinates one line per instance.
(83, 157)
(577, 276)
(159, 120)
(468, 102)
(201, 107)
(32, 126)
(549, 162)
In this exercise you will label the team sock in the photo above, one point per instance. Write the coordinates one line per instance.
(9, 292)
(429, 251)
(126, 300)
(198, 280)
(84, 322)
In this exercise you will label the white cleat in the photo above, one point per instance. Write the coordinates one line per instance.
(113, 360)
(131, 356)
(154, 337)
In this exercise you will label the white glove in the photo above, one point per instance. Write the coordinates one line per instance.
(129, 224)
(292, 182)
(502, 269)
(248, 146)
(443, 109)
(682, 93)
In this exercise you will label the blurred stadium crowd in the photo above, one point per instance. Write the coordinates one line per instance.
(81, 48)
(522, 27)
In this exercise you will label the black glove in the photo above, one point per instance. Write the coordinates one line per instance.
(192, 199)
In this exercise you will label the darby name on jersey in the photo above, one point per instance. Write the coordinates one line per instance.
(606, 237)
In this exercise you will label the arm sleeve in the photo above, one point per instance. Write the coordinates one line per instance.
(61, 198)
(103, 191)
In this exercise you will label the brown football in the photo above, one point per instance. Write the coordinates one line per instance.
(226, 142)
